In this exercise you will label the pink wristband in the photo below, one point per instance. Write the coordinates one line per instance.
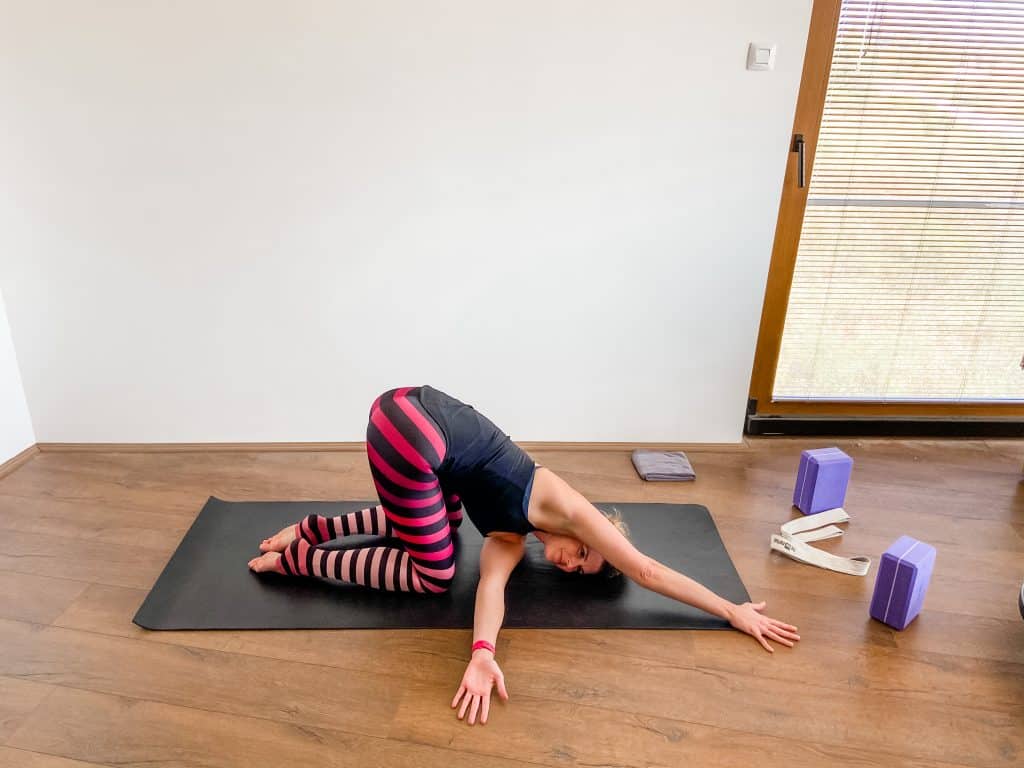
(482, 644)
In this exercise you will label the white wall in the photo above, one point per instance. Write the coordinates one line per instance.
(241, 221)
(15, 424)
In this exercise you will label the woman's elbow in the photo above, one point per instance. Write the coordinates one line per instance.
(645, 573)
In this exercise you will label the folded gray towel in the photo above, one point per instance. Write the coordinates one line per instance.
(662, 465)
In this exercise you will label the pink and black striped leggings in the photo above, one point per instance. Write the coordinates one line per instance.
(405, 447)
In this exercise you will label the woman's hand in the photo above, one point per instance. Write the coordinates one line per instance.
(475, 691)
(747, 618)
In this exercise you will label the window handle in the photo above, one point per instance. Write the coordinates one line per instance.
(798, 147)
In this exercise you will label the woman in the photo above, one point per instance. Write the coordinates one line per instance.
(432, 456)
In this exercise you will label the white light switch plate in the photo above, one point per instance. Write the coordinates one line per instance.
(761, 56)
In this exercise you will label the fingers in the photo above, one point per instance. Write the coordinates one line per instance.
(782, 628)
(782, 625)
(762, 641)
(759, 606)
(772, 635)
(462, 690)
(477, 704)
(784, 632)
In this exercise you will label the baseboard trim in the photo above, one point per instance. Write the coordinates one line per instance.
(359, 447)
(200, 447)
(17, 461)
(618, 447)
(870, 426)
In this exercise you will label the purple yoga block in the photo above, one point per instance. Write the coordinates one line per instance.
(821, 480)
(902, 580)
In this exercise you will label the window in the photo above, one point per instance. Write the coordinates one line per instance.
(908, 281)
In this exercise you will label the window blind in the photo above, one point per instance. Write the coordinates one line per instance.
(909, 275)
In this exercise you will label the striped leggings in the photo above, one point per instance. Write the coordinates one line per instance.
(405, 447)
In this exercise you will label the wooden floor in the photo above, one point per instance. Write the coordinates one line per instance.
(84, 536)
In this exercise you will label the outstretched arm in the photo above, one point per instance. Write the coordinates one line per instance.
(498, 557)
(585, 522)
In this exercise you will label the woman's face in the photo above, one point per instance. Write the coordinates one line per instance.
(569, 554)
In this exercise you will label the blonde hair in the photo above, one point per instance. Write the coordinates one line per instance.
(615, 518)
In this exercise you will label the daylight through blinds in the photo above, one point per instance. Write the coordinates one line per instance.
(909, 278)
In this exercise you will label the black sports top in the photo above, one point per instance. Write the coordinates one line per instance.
(491, 474)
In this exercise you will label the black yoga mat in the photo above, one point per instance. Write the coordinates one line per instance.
(208, 585)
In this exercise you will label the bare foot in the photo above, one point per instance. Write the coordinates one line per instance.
(279, 541)
(271, 562)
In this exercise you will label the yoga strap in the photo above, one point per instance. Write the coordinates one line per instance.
(795, 535)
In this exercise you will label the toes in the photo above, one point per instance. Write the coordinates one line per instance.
(275, 543)
(270, 562)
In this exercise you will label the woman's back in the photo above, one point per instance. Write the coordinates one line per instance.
(492, 475)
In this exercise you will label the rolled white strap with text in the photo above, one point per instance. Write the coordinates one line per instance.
(795, 535)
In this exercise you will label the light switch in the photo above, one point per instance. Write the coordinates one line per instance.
(761, 56)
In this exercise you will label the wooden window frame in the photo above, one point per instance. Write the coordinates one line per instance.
(807, 121)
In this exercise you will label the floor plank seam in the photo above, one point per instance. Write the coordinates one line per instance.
(61, 757)
(390, 737)
(399, 678)
(701, 667)
(285, 723)
(28, 715)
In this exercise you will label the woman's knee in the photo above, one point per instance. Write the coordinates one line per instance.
(376, 404)
(383, 397)
(443, 585)
(437, 583)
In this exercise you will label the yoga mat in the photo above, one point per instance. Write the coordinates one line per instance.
(208, 585)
